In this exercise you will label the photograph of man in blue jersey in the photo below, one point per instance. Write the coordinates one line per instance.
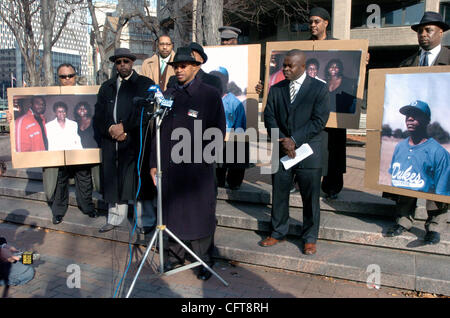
(419, 162)
(415, 133)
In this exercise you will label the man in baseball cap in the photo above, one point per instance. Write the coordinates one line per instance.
(420, 163)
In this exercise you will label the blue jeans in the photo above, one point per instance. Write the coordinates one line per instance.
(14, 274)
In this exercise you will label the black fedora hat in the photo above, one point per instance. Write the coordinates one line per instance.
(430, 17)
(184, 54)
(198, 48)
(122, 52)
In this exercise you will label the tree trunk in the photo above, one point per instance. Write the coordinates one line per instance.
(48, 14)
(213, 19)
(199, 23)
(102, 74)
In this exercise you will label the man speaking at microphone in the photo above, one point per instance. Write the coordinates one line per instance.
(188, 191)
(117, 122)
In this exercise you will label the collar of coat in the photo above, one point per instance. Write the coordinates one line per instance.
(133, 79)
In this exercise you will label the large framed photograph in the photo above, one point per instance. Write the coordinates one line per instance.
(408, 148)
(53, 126)
(238, 68)
(338, 63)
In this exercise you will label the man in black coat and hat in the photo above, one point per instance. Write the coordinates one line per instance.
(117, 123)
(188, 192)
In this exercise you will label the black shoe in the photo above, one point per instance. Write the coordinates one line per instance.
(396, 230)
(146, 229)
(204, 273)
(432, 238)
(106, 228)
(93, 214)
(235, 187)
(57, 219)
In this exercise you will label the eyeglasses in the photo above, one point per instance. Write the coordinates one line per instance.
(62, 76)
(125, 61)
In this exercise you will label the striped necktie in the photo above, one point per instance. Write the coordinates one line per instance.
(292, 91)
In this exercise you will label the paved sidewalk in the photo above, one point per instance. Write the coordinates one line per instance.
(102, 264)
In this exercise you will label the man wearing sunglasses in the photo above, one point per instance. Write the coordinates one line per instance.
(117, 123)
(56, 179)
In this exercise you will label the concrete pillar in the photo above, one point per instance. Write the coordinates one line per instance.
(432, 5)
(340, 19)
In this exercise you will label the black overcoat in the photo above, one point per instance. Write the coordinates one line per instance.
(119, 173)
(188, 188)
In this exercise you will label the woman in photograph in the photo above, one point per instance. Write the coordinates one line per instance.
(342, 89)
(83, 116)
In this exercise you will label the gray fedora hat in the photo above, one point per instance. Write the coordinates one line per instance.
(431, 17)
(122, 52)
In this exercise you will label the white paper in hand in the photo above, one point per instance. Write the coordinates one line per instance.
(301, 153)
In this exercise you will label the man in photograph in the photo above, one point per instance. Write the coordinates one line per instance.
(419, 162)
(430, 31)
(156, 67)
(298, 107)
(30, 128)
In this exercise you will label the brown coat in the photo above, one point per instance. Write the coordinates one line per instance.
(150, 68)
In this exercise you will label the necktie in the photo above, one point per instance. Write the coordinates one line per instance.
(425, 59)
(292, 91)
(163, 66)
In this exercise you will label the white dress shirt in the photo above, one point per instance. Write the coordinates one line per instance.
(432, 55)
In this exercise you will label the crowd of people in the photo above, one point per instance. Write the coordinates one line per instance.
(298, 106)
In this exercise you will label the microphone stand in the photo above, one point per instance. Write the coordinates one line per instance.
(161, 228)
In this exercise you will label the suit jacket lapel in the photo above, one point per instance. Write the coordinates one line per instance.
(302, 91)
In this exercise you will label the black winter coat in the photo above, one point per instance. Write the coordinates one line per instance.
(119, 173)
(188, 188)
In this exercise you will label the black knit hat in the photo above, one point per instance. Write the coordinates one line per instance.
(319, 12)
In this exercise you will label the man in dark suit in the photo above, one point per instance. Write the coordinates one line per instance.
(299, 108)
(430, 31)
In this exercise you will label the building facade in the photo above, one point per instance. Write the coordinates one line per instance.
(71, 47)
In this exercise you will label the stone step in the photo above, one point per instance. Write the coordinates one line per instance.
(348, 228)
(400, 269)
(349, 201)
